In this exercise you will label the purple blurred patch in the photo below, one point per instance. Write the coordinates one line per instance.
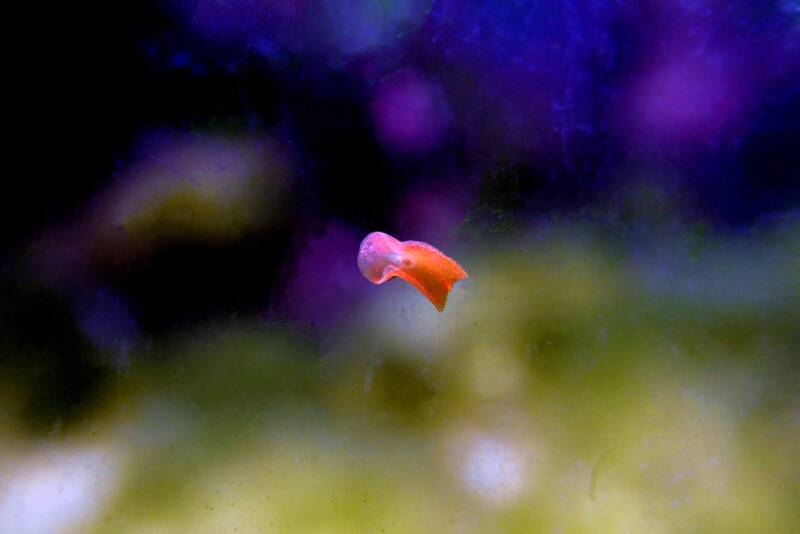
(325, 283)
(106, 320)
(431, 214)
(686, 97)
(240, 19)
(522, 76)
(331, 29)
(409, 112)
(346, 27)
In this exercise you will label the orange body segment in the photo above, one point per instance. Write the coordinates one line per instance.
(382, 257)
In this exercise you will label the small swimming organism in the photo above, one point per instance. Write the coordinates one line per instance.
(382, 257)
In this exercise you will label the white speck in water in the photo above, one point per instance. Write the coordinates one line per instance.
(57, 490)
(493, 469)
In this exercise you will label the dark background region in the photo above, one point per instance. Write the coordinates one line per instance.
(98, 77)
(94, 80)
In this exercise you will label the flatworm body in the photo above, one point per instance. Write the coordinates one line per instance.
(382, 257)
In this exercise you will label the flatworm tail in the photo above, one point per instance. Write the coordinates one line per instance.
(430, 271)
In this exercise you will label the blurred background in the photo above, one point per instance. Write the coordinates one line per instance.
(187, 345)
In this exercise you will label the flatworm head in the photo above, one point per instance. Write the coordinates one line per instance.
(379, 256)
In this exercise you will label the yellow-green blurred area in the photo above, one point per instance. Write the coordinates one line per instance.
(203, 187)
(212, 187)
(570, 386)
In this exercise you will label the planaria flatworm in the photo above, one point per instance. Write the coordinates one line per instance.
(382, 257)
